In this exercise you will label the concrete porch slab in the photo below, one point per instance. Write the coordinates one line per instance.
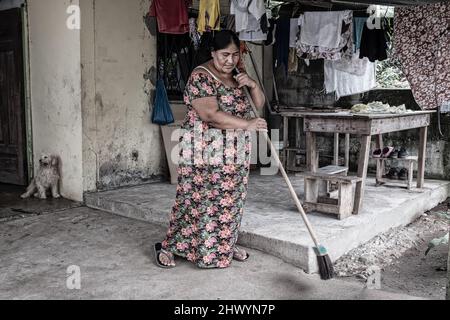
(271, 222)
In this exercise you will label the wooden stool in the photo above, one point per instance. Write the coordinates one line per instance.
(409, 161)
(342, 206)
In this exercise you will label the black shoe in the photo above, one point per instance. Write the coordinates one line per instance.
(394, 154)
(392, 174)
(376, 153)
(403, 153)
(403, 174)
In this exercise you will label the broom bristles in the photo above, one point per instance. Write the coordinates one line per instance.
(325, 267)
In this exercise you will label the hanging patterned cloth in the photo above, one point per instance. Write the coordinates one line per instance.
(422, 45)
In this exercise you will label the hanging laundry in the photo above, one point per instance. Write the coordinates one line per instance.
(422, 45)
(373, 43)
(193, 33)
(229, 22)
(250, 19)
(172, 16)
(358, 25)
(354, 65)
(292, 61)
(322, 29)
(344, 47)
(346, 83)
(208, 16)
(282, 43)
(271, 33)
(293, 31)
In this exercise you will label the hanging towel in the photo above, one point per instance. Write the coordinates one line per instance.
(172, 16)
(345, 83)
(358, 25)
(344, 49)
(422, 45)
(322, 29)
(208, 15)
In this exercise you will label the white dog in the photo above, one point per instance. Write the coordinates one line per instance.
(46, 177)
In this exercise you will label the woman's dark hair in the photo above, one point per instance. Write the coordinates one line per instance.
(223, 39)
(216, 40)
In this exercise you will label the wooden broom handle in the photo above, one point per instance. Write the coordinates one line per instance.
(274, 152)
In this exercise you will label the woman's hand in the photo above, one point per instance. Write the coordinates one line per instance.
(257, 124)
(244, 80)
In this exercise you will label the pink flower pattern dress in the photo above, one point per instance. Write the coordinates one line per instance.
(211, 190)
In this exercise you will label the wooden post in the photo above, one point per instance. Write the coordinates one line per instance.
(410, 174)
(447, 296)
(363, 162)
(311, 152)
(285, 141)
(298, 133)
(336, 149)
(380, 163)
(347, 149)
(422, 156)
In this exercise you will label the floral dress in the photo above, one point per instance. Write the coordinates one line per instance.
(212, 178)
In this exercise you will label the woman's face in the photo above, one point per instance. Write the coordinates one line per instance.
(225, 60)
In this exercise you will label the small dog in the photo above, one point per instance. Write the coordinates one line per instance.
(46, 177)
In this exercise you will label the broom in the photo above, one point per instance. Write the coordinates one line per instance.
(323, 259)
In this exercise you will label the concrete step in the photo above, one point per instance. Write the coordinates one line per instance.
(271, 222)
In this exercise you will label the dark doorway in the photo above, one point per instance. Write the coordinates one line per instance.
(12, 110)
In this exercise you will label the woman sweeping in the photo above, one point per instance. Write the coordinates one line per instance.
(214, 161)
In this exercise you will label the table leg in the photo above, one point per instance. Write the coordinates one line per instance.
(299, 133)
(336, 149)
(312, 160)
(422, 153)
(380, 163)
(285, 141)
(347, 149)
(362, 172)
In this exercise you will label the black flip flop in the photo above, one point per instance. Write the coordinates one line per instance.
(158, 248)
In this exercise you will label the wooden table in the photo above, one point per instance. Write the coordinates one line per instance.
(298, 115)
(365, 126)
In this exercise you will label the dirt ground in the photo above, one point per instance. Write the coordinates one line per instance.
(400, 256)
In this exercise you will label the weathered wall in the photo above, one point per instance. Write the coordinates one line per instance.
(55, 90)
(121, 145)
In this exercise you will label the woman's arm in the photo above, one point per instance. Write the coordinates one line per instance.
(254, 89)
(208, 110)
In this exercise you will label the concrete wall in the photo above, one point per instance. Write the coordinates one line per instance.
(120, 144)
(55, 90)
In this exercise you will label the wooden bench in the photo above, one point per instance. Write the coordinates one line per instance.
(342, 207)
